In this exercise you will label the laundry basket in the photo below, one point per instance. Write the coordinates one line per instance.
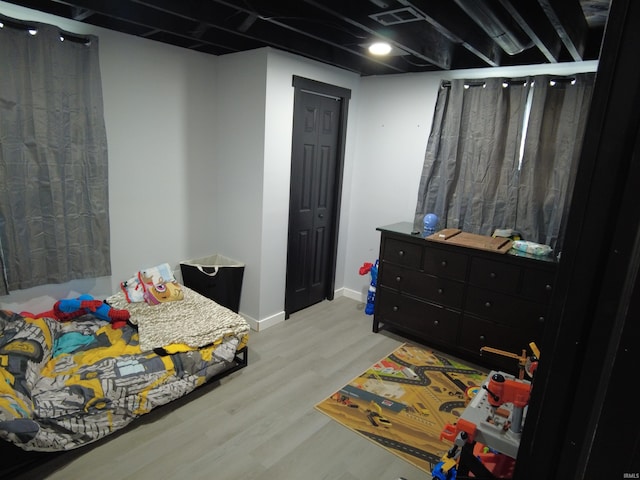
(216, 277)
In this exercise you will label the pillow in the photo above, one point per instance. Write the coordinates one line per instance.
(159, 285)
(133, 290)
(156, 275)
(152, 285)
(163, 292)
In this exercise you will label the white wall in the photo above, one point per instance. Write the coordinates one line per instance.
(199, 159)
(199, 156)
(240, 119)
(157, 103)
(277, 167)
(393, 126)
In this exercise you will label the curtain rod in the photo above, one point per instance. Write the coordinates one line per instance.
(33, 27)
(16, 24)
(517, 80)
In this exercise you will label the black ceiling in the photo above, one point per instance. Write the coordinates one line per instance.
(427, 35)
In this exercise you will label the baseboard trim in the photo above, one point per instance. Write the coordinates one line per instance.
(259, 325)
(354, 295)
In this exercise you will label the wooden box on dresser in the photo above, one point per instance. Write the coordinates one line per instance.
(460, 299)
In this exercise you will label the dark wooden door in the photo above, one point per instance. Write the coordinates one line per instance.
(312, 212)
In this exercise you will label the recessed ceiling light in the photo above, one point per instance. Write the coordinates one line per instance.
(380, 48)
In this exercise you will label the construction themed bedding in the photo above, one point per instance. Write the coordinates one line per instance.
(66, 384)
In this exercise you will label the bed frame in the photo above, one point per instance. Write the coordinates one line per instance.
(29, 465)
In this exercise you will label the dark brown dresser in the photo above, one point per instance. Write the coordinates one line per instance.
(460, 298)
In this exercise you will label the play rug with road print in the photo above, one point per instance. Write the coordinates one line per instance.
(403, 401)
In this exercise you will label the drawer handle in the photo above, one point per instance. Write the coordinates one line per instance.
(541, 319)
(482, 337)
(443, 263)
(492, 275)
(395, 308)
(436, 323)
(401, 253)
(440, 291)
(487, 304)
(398, 278)
(548, 287)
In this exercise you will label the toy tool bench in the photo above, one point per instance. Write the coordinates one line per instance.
(487, 435)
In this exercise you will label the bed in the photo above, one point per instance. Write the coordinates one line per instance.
(68, 384)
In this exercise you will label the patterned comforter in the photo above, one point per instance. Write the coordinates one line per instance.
(63, 385)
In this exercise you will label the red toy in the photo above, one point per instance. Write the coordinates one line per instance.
(70, 308)
(371, 268)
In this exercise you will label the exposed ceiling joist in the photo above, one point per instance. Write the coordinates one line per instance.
(533, 21)
(497, 24)
(460, 29)
(425, 35)
(81, 14)
(425, 44)
(568, 19)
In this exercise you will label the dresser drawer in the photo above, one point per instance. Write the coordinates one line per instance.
(494, 275)
(402, 253)
(477, 333)
(538, 285)
(505, 309)
(423, 319)
(461, 297)
(435, 289)
(444, 263)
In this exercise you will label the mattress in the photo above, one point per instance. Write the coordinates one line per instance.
(64, 385)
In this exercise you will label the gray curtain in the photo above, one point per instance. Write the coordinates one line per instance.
(478, 175)
(469, 178)
(54, 206)
(552, 148)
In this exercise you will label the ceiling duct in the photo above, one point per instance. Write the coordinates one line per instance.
(505, 33)
(395, 17)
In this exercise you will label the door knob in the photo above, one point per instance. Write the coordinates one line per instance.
(321, 215)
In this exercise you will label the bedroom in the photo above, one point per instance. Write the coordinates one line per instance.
(162, 104)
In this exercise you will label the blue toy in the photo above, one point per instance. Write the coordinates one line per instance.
(443, 471)
(70, 308)
(371, 294)
(430, 223)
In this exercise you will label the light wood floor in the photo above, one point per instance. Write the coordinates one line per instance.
(260, 423)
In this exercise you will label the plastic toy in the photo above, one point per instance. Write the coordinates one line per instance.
(372, 268)
(487, 463)
(526, 364)
(70, 308)
(446, 469)
(429, 224)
